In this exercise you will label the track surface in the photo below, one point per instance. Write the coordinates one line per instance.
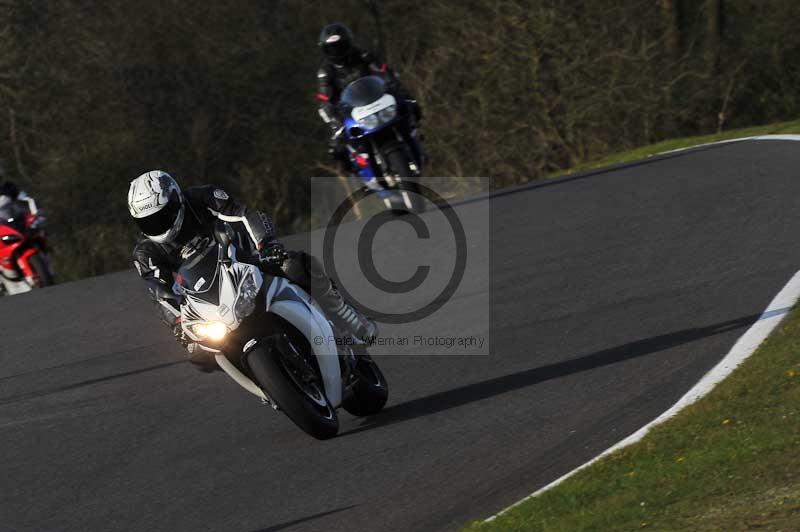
(613, 293)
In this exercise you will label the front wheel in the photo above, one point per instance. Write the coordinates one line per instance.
(41, 270)
(303, 400)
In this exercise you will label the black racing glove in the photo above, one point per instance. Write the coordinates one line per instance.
(273, 254)
(416, 109)
(177, 332)
(335, 144)
(336, 125)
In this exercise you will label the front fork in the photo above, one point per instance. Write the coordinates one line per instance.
(241, 379)
(366, 168)
(412, 148)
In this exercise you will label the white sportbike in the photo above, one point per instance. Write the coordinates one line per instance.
(272, 338)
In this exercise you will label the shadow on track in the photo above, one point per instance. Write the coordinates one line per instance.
(89, 360)
(438, 402)
(287, 524)
(89, 382)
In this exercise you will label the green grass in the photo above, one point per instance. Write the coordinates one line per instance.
(674, 144)
(729, 462)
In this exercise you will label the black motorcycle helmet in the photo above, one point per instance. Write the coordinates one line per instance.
(9, 189)
(336, 41)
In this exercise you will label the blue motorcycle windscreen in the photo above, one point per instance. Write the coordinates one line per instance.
(363, 91)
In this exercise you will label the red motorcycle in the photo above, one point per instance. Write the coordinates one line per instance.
(24, 264)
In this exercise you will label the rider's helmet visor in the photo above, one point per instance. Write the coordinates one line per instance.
(162, 220)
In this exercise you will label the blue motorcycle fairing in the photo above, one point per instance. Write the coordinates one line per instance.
(360, 93)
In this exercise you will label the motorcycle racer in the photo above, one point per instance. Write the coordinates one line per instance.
(344, 63)
(11, 195)
(24, 254)
(174, 223)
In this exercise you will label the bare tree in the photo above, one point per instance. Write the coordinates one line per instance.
(714, 27)
(672, 16)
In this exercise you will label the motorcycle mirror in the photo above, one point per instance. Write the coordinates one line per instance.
(160, 291)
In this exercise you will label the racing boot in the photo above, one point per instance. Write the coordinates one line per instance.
(346, 318)
(307, 271)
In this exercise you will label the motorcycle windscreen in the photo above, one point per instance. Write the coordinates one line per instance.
(363, 91)
(199, 272)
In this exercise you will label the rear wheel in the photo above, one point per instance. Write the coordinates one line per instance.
(370, 392)
(301, 397)
(408, 198)
(39, 266)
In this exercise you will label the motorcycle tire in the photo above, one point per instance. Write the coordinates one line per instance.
(309, 410)
(39, 266)
(398, 163)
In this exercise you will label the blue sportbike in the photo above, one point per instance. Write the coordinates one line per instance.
(381, 140)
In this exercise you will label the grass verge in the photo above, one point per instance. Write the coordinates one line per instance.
(729, 462)
(674, 144)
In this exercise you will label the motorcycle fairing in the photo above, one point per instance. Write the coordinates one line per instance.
(210, 305)
(296, 306)
(285, 299)
(15, 251)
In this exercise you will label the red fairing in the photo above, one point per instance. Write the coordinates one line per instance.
(10, 240)
(25, 265)
(323, 97)
(17, 247)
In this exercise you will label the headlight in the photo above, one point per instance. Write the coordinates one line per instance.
(212, 330)
(388, 114)
(246, 303)
(370, 121)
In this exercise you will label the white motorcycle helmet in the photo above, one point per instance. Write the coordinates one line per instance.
(156, 204)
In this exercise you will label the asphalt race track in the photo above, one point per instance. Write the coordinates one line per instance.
(613, 292)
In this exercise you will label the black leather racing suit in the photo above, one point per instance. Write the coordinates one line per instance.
(204, 206)
(11, 195)
(254, 231)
